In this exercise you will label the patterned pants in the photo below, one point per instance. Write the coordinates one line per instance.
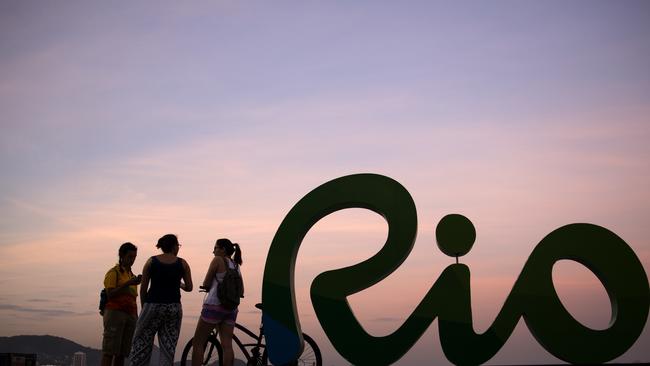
(164, 319)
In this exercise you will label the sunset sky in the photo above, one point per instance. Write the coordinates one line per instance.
(209, 119)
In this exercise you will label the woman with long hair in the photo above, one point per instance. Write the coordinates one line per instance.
(161, 303)
(214, 314)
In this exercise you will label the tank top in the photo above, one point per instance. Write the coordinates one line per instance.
(211, 298)
(165, 282)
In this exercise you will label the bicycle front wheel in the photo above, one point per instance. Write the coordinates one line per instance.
(212, 354)
(310, 356)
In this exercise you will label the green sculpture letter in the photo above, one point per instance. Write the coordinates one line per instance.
(533, 295)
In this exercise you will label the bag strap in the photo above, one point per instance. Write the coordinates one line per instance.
(225, 261)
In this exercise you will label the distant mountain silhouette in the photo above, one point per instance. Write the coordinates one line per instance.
(50, 349)
(56, 350)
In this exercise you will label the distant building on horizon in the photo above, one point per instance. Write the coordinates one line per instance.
(18, 359)
(79, 359)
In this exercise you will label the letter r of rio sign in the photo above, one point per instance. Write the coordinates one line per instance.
(532, 297)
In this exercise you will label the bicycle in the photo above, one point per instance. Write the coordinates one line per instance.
(255, 353)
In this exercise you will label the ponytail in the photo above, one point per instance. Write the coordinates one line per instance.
(237, 256)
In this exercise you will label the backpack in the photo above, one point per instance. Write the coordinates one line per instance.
(103, 295)
(231, 288)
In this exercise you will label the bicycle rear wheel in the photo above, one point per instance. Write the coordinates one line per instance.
(310, 356)
(212, 355)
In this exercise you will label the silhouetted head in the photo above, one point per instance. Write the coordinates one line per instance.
(127, 254)
(228, 249)
(168, 244)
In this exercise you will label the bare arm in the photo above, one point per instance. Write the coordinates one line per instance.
(186, 285)
(217, 262)
(243, 285)
(144, 286)
(123, 288)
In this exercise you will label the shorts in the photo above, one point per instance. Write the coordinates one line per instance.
(215, 314)
(118, 332)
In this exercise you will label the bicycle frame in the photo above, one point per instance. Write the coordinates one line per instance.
(254, 352)
(255, 346)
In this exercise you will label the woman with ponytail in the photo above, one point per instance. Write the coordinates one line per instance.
(214, 314)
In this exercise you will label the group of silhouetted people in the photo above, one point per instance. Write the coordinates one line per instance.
(128, 335)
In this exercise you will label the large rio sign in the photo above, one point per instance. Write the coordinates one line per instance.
(533, 295)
